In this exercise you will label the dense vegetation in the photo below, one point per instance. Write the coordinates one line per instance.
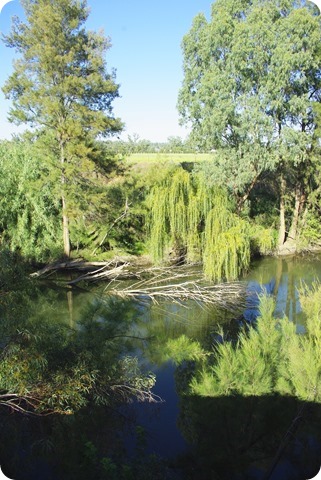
(268, 359)
(251, 94)
(251, 90)
(246, 182)
(61, 88)
(52, 366)
(237, 398)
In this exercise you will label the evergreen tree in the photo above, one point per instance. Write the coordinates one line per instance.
(61, 88)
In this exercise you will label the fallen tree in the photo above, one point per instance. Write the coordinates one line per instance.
(228, 295)
(178, 284)
(90, 268)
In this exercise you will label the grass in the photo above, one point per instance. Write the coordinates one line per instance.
(152, 158)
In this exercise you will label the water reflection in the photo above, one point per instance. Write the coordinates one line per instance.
(252, 410)
(63, 374)
(282, 277)
(189, 436)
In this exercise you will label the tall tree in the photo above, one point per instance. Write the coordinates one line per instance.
(61, 88)
(251, 77)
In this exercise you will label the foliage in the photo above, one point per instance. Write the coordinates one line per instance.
(263, 240)
(160, 158)
(226, 243)
(197, 221)
(105, 216)
(29, 211)
(270, 358)
(13, 271)
(181, 349)
(310, 233)
(48, 367)
(61, 88)
(250, 89)
(135, 147)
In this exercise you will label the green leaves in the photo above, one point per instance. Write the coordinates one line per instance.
(251, 77)
(49, 367)
(197, 221)
(61, 88)
(60, 81)
(29, 210)
(268, 358)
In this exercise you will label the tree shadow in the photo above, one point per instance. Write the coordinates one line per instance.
(250, 438)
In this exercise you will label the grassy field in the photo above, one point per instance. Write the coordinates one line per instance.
(154, 158)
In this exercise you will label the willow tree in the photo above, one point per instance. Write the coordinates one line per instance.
(61, 88)
(191, 219)
(29, 222)
(251, 77)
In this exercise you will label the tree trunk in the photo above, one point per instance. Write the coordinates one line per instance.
(298, 207)
(282, 213)
(278, 276)
(65, 228)
(65, 219)
(242, 200)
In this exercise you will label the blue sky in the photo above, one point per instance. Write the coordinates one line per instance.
(146, 36)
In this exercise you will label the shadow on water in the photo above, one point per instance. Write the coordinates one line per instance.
(250, 438)
(188, 436)
(227, 438)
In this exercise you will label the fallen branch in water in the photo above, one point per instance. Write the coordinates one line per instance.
(103, 273)
(228, 295)
(177, 284)
(93, 270)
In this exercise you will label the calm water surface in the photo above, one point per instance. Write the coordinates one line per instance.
(182, 436)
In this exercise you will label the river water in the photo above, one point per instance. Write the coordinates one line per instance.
(182, 436)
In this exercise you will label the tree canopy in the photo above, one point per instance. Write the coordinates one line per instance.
(60, 87)
(251, 79)
(191, 220)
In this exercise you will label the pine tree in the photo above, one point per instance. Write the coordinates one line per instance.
(61, 88)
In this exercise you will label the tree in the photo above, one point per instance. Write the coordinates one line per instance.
(50, 366)
(61, 88)
(29, 220)
(190, 220)
(251, 76)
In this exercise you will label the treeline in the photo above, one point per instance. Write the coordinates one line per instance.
(251, 95)
(173, 213)
(135, 144)
(252, 92)
(102, 217)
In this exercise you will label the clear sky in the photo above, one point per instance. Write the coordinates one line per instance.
(146, 36)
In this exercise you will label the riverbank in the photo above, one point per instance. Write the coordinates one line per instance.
(133, 262)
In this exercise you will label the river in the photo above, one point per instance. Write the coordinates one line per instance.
(182, 436)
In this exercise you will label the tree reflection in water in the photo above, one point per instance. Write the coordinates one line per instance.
(249, 409)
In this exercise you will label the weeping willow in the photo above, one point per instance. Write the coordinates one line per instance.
(189, 218)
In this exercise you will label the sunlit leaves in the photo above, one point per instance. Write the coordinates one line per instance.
(49, 367)
(188, 214)
(61, 88)
(29, 210)
(251, 78)
(268, 358)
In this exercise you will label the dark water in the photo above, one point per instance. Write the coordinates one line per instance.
(184, 436)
